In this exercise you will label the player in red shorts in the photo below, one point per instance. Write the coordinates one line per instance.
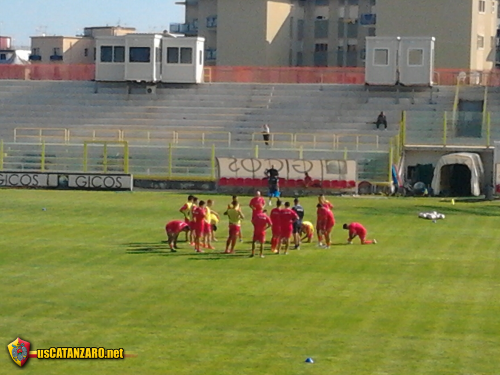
(186, 211)
(356, 229)
(257, 204)
(199, 214)
(324, 224)
(276, 229)
(261, 222)
(173, 229)
(234, 216)
(287, 218)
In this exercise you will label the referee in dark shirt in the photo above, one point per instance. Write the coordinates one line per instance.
(297, 225)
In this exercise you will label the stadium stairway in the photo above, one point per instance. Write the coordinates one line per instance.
(239, 110)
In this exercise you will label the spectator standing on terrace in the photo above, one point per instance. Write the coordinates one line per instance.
(381, 120)
(266, 133)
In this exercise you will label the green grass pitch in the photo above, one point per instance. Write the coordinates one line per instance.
(91, 270)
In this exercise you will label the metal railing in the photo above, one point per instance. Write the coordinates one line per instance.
(317, 141)
(139, 136)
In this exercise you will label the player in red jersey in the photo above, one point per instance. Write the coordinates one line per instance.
(324, 224)
(325, 202)
(287, 217)
(276, 229)
(199, 214)
(261, 222)
(356, 229)
(257, 204)
(173, 229)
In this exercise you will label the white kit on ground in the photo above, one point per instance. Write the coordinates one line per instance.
(431, 215)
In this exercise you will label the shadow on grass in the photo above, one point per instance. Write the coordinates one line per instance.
(163, 249)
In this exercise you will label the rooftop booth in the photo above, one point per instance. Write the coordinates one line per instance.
(381, 60)
(143, 57)
(110, 58)
(182, 60)
(416, 61)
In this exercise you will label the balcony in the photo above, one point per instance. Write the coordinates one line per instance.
(211, 54)
(56, 58)
(35, 58)
(184, 28)
(212, 22)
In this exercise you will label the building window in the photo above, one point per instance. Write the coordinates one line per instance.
(300, 59)
(212, 21)
(119, 54)
(320, 47)
(35, 51)
(362, 54)
(480, 42)
(300, 30)
(186, 55)
(86, 52)
(321, 29)
(172, 55)
(57, 51)
(381, 57)
(139, 54)
(415, 57)
(3, 56)
(482, 6)
(106, 54)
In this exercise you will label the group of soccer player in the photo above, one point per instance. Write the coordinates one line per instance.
(285, 221)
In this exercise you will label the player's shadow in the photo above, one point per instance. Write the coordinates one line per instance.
(163, 249)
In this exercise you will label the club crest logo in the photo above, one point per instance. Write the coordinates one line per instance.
(19, 350)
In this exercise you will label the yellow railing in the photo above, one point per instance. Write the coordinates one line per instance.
(40, 134)
(140, 136)
(320, 141)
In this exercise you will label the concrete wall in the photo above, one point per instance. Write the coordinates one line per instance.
(278, 33)
(449, 21)
(242, 32)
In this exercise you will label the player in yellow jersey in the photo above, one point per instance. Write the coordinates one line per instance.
(208, 235)
(307, 231)
(235, 216)
(238, 207)
(186, 210)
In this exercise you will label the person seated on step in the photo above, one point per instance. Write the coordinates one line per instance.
(381, 120)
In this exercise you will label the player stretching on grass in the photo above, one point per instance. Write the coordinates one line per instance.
(307, 230)
(173, 229)
(287, 217)
(234, 215)
(356, 229)
(275, 218)
(198, 225)
(261, 222)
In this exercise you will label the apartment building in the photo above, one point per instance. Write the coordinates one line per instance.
(333, 32)
(71, 49)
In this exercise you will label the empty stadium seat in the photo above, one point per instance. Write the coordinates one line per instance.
(351, 184)
(223, 181)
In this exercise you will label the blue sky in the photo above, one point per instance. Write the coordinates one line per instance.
(21, 19)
